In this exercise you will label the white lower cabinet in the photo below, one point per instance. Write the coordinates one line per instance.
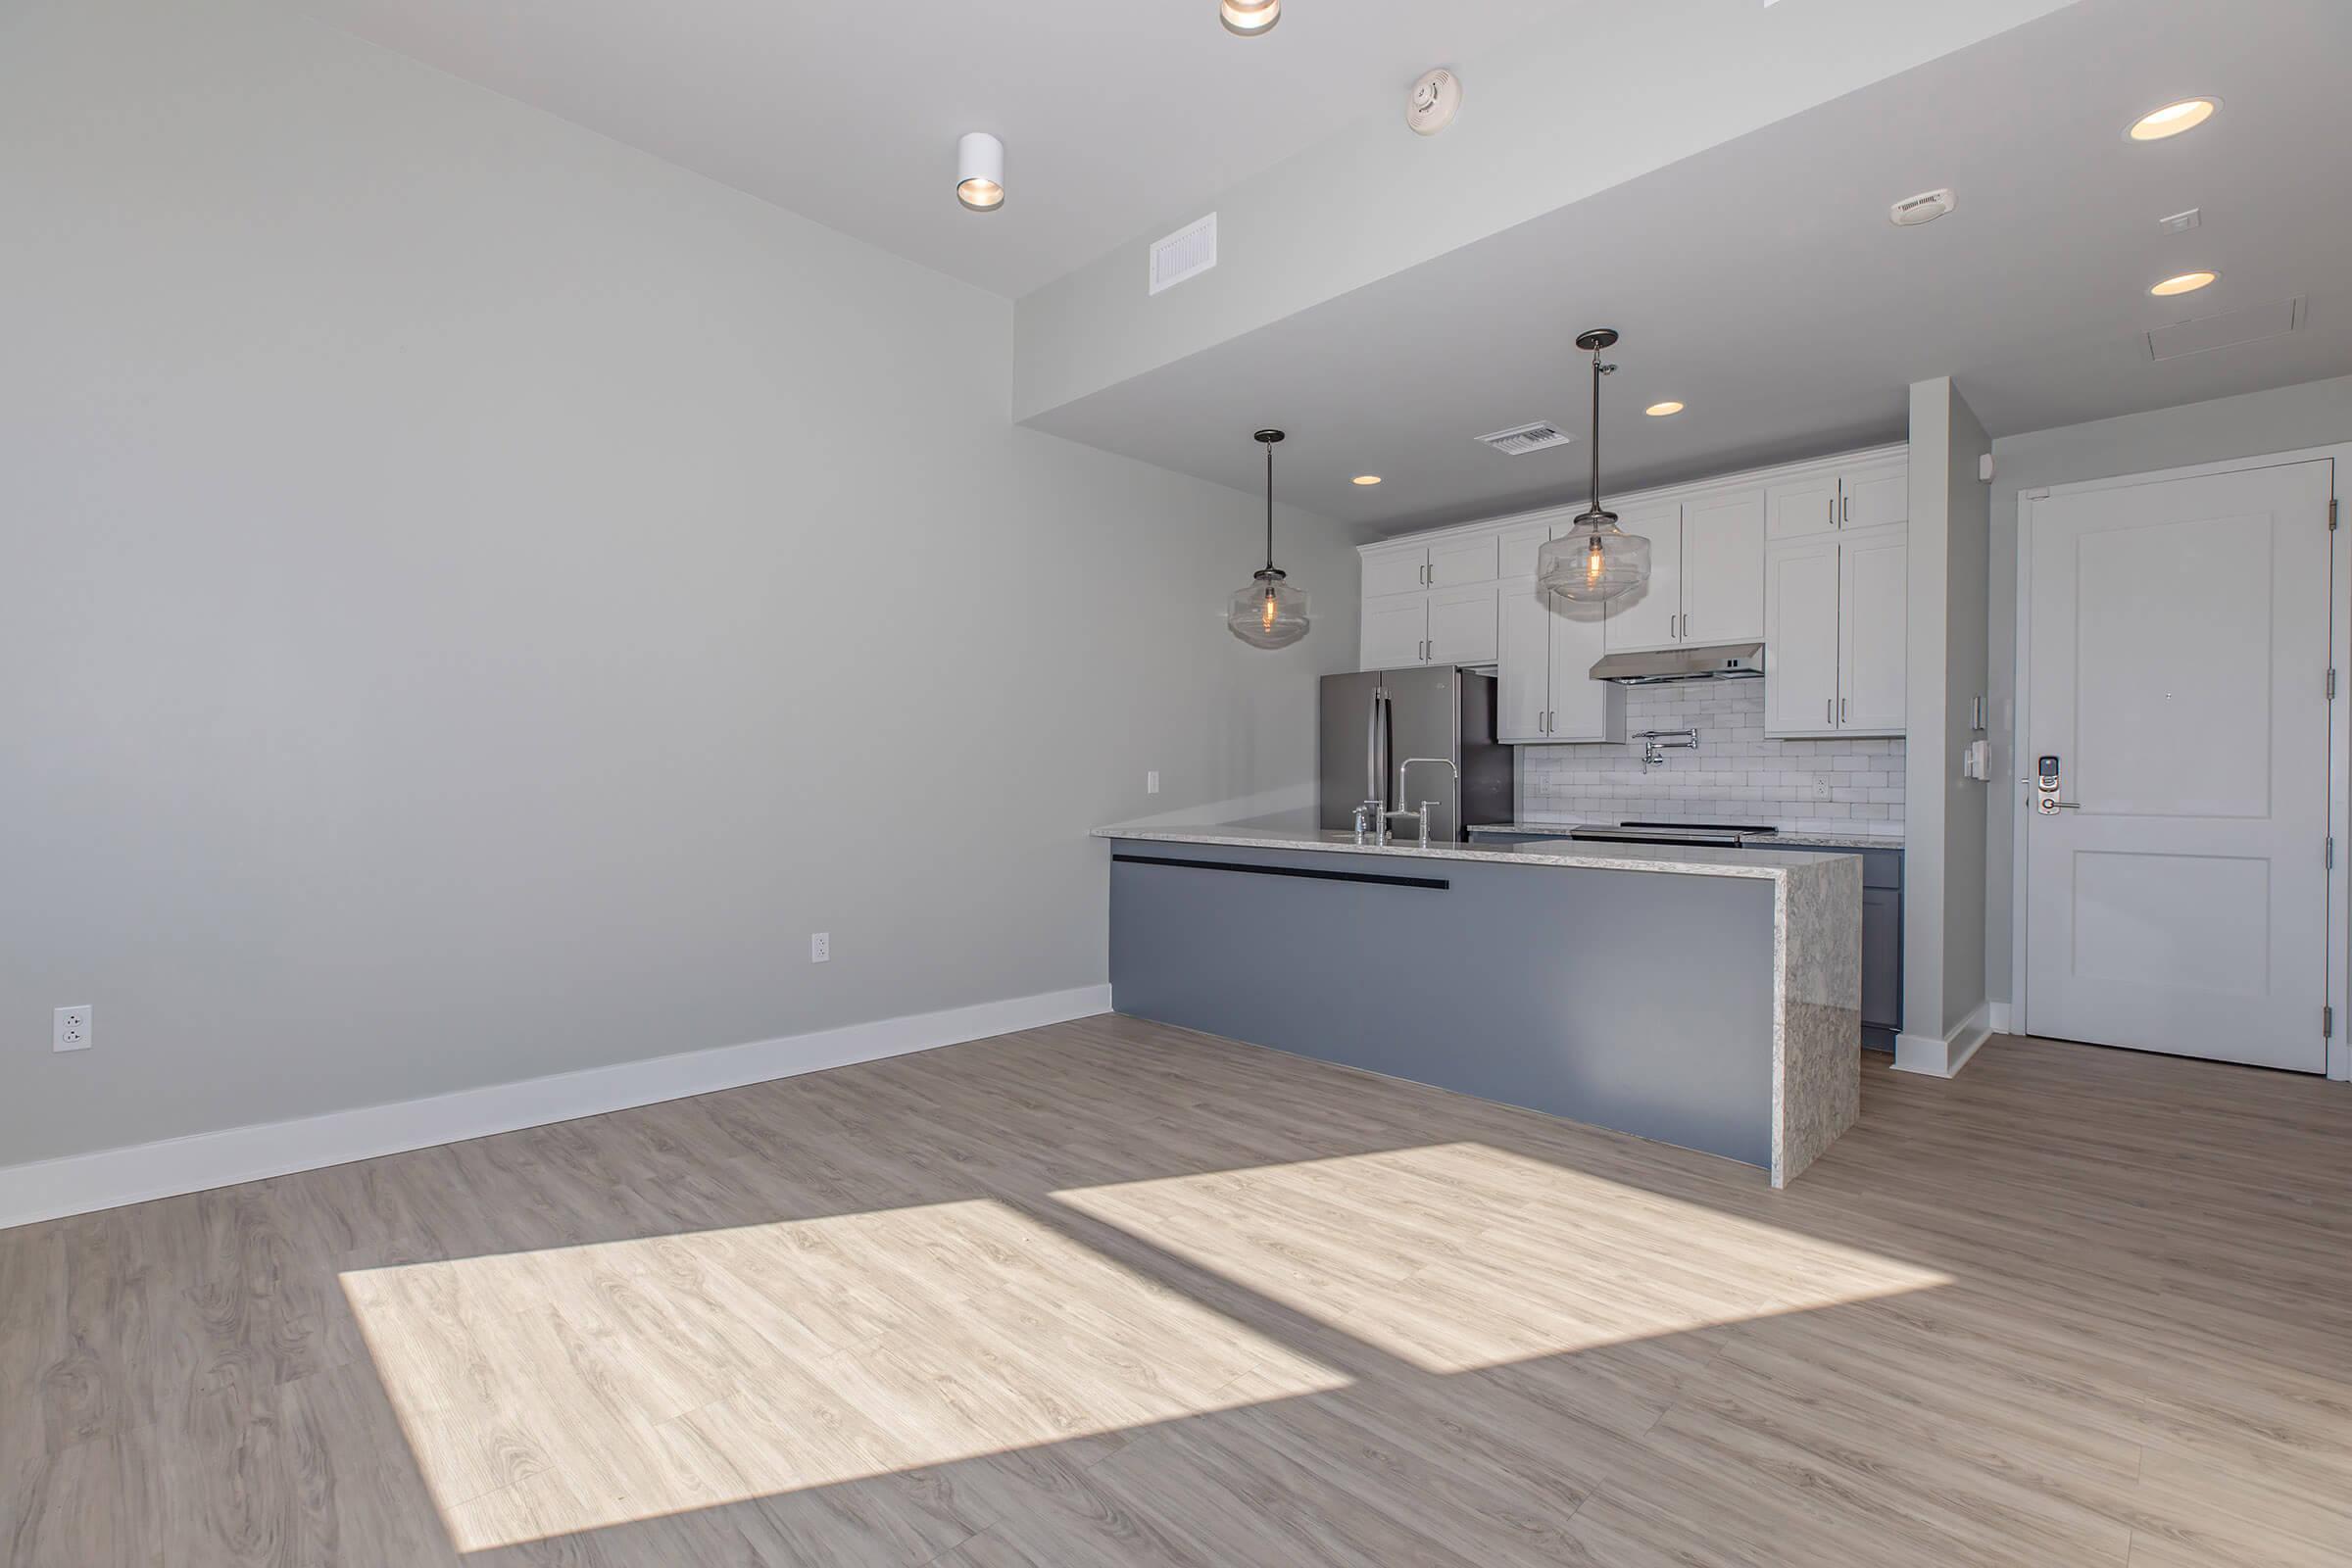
(1836, 631)
(1547, 692)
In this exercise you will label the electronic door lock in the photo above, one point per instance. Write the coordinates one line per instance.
(2046, 785)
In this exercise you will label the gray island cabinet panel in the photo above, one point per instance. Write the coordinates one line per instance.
(1672, 1006)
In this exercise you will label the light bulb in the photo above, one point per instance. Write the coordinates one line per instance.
(1271, 609)
(1249, 18)
(1592, 563)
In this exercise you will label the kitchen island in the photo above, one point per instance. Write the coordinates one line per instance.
(1705, 998)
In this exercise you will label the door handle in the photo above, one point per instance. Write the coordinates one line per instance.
(1846, 509)
(1829, 709)
(1840, 710)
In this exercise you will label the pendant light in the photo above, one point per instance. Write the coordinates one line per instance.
(1269, 612)
(1595, 561)
(1250, 18)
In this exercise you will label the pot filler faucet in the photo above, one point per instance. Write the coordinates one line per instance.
(1428, 808)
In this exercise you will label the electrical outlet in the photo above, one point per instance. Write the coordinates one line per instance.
(1151, 782)
(821, 947)
(70, 1029)
(1821, 786)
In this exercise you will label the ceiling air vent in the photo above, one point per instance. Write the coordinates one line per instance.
(1188, 253)
(1526, 438)
(2252, 325)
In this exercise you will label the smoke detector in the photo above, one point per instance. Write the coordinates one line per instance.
(1924, 207)
(1523, 439)
(1435, 98)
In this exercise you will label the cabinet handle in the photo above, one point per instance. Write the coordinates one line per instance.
(1840, 710)
(1829, 709)
(1832, 511)
(1847, 506)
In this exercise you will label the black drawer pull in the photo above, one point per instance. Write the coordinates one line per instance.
(1439, 883)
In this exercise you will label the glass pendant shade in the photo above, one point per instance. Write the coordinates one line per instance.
(1269, 612)
(1594, 561)
(1597, 560)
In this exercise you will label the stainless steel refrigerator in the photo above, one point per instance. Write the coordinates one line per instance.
(1375, 720)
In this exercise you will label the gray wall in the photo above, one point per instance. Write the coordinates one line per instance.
(2283, 419)
(1943, 883)
(476, 598)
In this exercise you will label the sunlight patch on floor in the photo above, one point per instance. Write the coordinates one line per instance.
(575, 1388)
(1456, 1256)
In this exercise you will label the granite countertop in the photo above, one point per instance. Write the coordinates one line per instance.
(1794, 838)
(1671, 858)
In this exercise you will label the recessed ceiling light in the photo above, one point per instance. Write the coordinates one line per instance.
(2173, 118)
(2186, 283)
(980, 172)
(1660, 411)
(1249, 18)
(1366, 478)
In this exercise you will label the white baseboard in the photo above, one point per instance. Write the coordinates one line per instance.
(1997, 1015)
(1943, 1056)
(78, 1184)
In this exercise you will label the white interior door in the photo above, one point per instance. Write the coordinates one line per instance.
(2179, 646)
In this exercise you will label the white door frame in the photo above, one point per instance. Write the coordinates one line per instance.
(2339, 786)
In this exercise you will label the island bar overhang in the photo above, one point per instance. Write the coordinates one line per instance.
(1700, 998)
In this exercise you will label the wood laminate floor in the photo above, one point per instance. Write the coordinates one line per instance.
(1109, 1292)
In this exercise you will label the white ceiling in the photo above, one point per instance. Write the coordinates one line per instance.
(1762, 283)
(1113, 112)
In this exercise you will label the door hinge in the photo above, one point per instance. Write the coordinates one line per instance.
(2332, 506)
(2331, 852)
(2332, 685)
(2327, 1022)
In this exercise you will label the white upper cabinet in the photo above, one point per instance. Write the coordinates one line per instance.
(1457, 562)
(1462, 626)
(1874, 630)
(1723, 570)
(1876, 495)
(1799, 507)
(1649, 616)
(1837, 611)
(1810, 559)
(1523, 670)
(1395, 571)
(1582, 709)
(1520, 545)
(1395, 631)
(1800, 634)
(1546, 690)
(1863, 495)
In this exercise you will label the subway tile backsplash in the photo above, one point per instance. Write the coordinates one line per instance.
(1736, 775)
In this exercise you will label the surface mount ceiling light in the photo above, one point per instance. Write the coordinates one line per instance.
(1250, 18)
(1366, 478)
(2186, 283)
(980, 172)
(1269, 612)
(1661, 410)
(2173, 118)
(1594, 560)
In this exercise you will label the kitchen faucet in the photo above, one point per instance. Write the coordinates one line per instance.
(1428, 808)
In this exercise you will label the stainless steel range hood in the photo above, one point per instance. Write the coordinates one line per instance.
(1725, 661)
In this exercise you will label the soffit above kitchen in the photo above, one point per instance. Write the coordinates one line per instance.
(1118, 114)
(1760, 282)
